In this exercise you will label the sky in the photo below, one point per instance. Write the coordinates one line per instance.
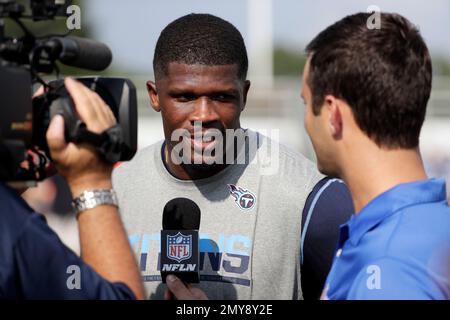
(131, 28)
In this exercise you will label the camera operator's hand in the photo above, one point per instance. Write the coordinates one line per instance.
(103, 240)
(80, 164)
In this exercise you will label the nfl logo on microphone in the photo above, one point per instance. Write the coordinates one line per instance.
(179, 255)
(179, 247)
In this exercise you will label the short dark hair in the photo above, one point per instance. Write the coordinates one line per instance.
(383, 74)
(200, 39)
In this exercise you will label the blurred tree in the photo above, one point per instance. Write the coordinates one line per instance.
(441, 66)
(288, 62)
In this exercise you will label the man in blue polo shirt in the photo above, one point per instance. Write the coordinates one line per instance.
(366, 92)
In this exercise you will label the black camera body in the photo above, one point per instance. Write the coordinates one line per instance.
(118, 93)
(16, 121)
(24, 121)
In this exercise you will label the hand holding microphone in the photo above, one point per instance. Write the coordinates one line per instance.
(181, 290)
(179, 262)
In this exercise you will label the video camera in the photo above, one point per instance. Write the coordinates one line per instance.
(24, 121)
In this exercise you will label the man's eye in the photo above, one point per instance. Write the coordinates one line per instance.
(223, 97)
(185, 97)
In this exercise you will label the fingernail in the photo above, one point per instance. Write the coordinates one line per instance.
(56, 122)
(171, 278)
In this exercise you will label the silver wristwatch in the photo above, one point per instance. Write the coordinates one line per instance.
(93, 198)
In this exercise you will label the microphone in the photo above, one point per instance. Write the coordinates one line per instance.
(179, 240)
(80, 52)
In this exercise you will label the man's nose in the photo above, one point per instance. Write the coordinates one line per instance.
(204, 111)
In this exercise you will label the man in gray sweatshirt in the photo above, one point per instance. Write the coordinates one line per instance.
(255, 195)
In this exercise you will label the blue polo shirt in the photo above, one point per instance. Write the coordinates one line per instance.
(397, 247)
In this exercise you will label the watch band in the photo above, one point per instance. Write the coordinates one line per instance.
(93, 198)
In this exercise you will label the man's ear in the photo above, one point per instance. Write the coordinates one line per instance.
(246, 88)
(153, 94)
(335, 116)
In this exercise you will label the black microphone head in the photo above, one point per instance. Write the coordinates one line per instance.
(181, 214)
(82, 52)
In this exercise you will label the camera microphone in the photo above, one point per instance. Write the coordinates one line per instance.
(80, 52)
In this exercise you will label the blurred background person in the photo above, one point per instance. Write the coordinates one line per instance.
(52, 197)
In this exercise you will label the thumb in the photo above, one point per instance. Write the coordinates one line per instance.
(39, 91)
(55, 134)
(178, 288)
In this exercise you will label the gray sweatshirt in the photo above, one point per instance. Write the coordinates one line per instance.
(250, 219)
